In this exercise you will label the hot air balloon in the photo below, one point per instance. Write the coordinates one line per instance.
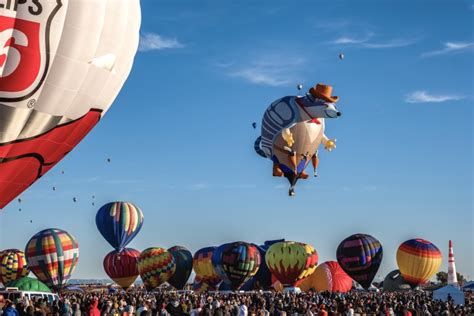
(63, 64)
(394, 281)
(291, 262)
(236, 263)
(184, 266)
(202, 265)
(263, 278)
(360, 256)
(254, 125)
(29, 284)
(119, 223)
(418, 260)
(341, 56)
(293, 129)
(156, 266)
(122, 267)
(52, 255)
(12, 265)
(328, 276)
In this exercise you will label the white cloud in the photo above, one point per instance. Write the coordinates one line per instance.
(152, 41)
(449, 47)
(424, 97)
(364, 42)
(352, 39)
(394, 43)
(270, 70)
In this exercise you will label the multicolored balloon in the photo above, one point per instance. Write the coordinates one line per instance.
(360, 256)
(328, 276)
(12, 265)
(418, 260)
(203, 267)
(122, 267)
(156, 266)
(263, 278)
(290, 262)
(184, 266)
(119, 223)
(54, 85)
(52, 255)
(236, 263)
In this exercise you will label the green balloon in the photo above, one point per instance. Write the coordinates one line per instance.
(29, 284)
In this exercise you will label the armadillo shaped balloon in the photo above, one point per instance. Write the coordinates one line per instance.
(62, 64)
(292, 130)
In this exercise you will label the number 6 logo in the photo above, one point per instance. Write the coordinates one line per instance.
(10, 57)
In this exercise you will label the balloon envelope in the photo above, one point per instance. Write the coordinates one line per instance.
(418, 260)
(203, 267)
(290, 262)
(156, 266)
(52, 255)
(328, 276)
(360, 256)
(119, 223)
(184, 266)
(236, 263)
(28, 284)
(12, 265)
(63, 64)
(394, 281)
(122, 267)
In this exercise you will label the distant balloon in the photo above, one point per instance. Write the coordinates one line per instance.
(341, 56)
(184, 266)
(108, 159)
(156, 266)
(328, 276)
(122, 267)
(254, 125)
(291, 262)
(19, 200)
(62, 172)
(418, 260)
(394, 281)
(202, 265)
(74, 199)
(360, 256)
(299, 87)
(52, 255)
(93, 203)
(12, 265)
(54, 188)
(119, 223)
(236, 263)
(19, 210)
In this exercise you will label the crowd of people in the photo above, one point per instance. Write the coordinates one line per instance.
(258, 303)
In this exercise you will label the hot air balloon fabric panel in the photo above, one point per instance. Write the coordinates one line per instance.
(122, 267)
(202, 265)
(119, 223)
(328, 276)
(65, 63)
(184, 266)
(12, 265)
(360, 256)
(418, 260)
(156, 266)
(239, 262)
(52, 256)
(290, 262)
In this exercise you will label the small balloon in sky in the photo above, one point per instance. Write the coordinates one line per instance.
(74, 199)
(341, 56)
(93, 203)
(19, 200)
(108, 159)
(93, 197)
(54, 188)
(300, 86)
(19, 210)
(62, 171)
(31, 221)
(254, 125)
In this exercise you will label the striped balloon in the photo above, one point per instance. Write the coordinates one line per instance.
(52, 255)
(202, 265)
(122, 267)
(156, 266)
(328, 276)
(291, 262)
(236, 263)
(418, 260)
(12, 265)
(119, 223)
(360, 256)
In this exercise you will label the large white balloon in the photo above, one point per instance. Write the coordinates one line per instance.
(62, 64)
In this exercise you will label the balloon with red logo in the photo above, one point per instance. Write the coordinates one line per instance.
(62, 64)
(122, 267)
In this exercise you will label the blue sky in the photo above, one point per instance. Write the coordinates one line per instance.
(180, 139)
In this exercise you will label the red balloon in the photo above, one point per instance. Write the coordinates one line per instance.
(122, 267)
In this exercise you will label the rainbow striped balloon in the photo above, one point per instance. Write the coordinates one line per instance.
(12, 265)
(156, 266)
(119, 223)
(202, 265)
(52, 255)
(418, 260)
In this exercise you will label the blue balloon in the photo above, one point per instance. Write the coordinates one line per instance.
(119, 223)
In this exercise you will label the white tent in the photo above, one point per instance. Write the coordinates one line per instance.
(456, 294)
